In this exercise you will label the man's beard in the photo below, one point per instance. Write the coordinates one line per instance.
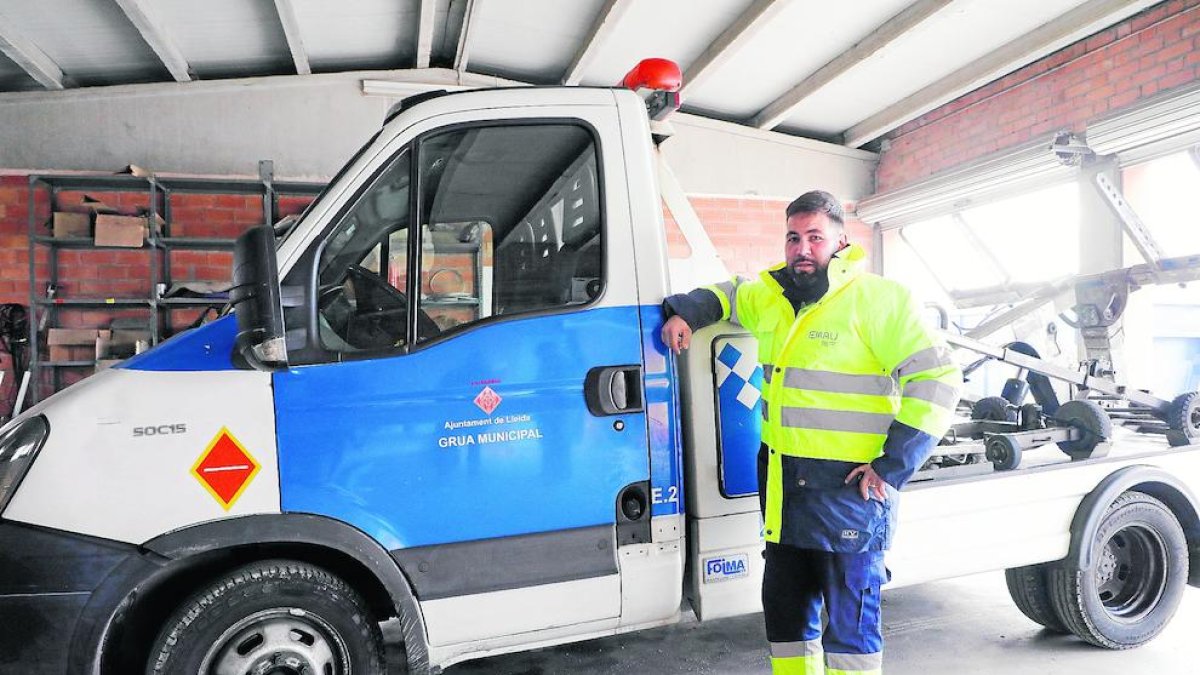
(809, 286)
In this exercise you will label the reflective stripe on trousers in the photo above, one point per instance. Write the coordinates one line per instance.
(797, 658)
(828, 664)
(854, 664)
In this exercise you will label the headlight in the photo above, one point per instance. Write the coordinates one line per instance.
(19, 444)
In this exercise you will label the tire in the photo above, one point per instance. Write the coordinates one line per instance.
(993, 409)
(1092, 421)
(1183, 417)
(1137, 581)
(1003, 452)
(1030, 592)
(271, 616)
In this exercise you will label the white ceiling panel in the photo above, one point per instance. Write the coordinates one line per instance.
(802, 38)
(649, 29)
(915, 54)
(358, 34)
(968, 29)
(532, 40)
(226, 38)
(90, 40)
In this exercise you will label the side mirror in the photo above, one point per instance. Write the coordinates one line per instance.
(256, 300)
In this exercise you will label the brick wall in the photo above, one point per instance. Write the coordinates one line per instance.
(748, 233)
(1151, 52)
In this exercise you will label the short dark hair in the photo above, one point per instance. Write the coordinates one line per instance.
(818, 201)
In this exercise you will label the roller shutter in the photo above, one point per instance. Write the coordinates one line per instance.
(1032, 166)
(1159, 126)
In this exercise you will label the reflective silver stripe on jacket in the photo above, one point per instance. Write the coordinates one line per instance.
(838, 383)
(788, 650)
(854, 662)
(768, 369)
(836, 420)
(936, 392)
(931, 357)
(730, 290)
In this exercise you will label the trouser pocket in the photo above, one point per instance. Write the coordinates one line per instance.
(865, 574)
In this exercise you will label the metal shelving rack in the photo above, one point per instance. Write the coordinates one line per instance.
(157, 245)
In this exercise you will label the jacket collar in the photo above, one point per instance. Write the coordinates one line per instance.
(843, 268)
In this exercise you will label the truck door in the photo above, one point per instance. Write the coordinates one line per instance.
(469, 391)
(722, 403)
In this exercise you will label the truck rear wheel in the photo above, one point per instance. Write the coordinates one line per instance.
(277, 616)
(1030, 591)
(1137, 581)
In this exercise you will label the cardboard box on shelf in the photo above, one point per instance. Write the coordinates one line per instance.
(59, 353)
(120, 344)
(126, 231)
(74, 344)
(64, 225)
(72, 336)
(135, 170)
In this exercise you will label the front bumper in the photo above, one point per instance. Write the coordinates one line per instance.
(57, 593)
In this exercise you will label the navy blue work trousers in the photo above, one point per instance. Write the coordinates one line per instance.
(799, 582)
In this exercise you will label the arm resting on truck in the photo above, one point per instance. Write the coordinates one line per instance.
(698, 308)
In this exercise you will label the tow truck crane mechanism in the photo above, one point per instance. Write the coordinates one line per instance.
(1003, 427)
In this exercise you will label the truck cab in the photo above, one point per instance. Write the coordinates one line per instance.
(441, 395)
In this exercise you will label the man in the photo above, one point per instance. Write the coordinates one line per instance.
(857, 392)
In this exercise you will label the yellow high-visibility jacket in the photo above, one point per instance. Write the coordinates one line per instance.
(838, 374)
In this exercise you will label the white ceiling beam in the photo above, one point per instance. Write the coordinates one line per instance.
(425, 23)
(740, 33)
(401, 83)
(1076, 24)
(470, 17)
(603, 29)
(139, 14)
(291, 31)
(29, 57)
(435, 78)
(908, 19)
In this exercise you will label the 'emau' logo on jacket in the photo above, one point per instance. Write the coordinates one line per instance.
(828, 338)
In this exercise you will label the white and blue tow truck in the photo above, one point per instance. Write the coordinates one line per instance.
(442, 399)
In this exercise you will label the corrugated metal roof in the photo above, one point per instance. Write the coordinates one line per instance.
(867, 55)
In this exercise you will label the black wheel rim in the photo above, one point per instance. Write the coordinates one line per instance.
(1131, 573)
(280, 641)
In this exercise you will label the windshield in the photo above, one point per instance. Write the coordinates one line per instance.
(291, 227)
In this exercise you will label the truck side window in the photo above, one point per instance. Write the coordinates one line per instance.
(511, 223)
(363, 269)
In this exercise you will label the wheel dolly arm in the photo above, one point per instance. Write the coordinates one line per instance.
(1179, 419)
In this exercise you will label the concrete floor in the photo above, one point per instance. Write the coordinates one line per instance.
(962, 626)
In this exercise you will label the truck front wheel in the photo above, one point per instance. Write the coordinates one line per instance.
(277, 616)
(1135, 585)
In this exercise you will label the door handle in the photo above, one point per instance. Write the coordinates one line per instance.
(614, 390)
